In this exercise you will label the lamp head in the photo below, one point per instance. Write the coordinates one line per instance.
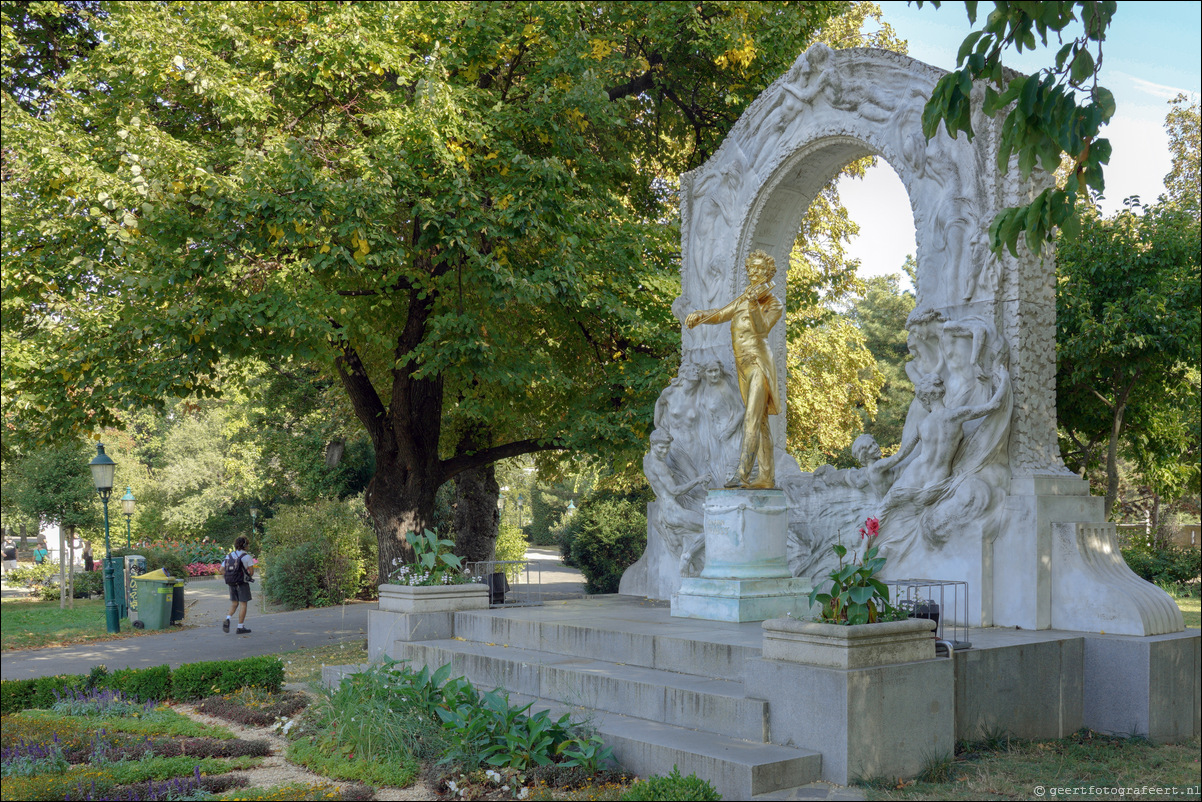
(127, 501)
(103, 468)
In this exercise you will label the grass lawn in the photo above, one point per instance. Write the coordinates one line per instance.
(304, 665)
(32, 624)
(1191, 608)
(1020, 770)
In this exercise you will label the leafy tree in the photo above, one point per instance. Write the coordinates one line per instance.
(1059, 110)
(1128, 297)
(1185, 143)
(833, 384)
(54, 486)
(881, 315)
(456, 208)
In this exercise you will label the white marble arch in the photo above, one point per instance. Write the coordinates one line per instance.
(985, 481)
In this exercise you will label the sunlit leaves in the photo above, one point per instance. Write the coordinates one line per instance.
(1059, 110)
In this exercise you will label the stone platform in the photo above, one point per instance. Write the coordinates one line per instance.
(666, 691)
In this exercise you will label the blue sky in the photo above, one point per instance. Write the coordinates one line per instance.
(1151, 53)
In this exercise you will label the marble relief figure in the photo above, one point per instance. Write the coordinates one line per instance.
(680, 525)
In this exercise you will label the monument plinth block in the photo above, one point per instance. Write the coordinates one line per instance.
(746, 575)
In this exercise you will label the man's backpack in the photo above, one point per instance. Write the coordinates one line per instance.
(231, 566)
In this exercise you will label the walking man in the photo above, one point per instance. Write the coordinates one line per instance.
(239, 570)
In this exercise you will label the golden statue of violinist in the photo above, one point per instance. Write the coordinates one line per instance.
(752, 315)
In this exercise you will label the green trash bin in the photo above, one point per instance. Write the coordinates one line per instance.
(155, 592)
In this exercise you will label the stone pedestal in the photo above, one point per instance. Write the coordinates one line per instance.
(746, 575)
(1020, 594)
(841, 646)
(872, 711)
(419, 613)
(1149, 686)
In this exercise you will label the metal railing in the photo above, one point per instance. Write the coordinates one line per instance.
(511, 583)
(944, 601)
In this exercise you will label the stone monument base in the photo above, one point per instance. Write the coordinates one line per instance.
(746, 575)
(741, 600)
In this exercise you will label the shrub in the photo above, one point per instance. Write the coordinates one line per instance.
(170, 557)
(315, 553)
(86, 583)
(140, 684)
(672, 787)
(1168, 565)
(17, 695)
(511, 546)
(30, 575)
(606, 536)
(197, 680)
(294, 580)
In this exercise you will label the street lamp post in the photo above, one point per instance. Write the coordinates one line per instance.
(103, 468)
(127, 508)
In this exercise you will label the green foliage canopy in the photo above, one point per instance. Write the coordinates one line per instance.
(1129, 291)
(1059, 110)
(456, 207)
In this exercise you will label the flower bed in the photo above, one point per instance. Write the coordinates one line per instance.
(254, 708)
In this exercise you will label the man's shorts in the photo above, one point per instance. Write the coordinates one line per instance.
(240, 593)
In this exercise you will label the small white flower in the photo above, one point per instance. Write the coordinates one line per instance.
(493, 775)
(525, 792)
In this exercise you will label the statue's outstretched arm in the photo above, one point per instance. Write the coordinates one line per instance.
(711, 315)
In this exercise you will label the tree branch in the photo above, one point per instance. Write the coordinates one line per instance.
(464, 462)
(637, 84)
(364, 398)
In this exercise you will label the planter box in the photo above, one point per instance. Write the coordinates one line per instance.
(433, 598)
(849, 647)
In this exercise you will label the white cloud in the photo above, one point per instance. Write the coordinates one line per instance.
(1160, 91)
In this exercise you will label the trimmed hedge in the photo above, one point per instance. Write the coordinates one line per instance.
(198, 680)
(191, 681)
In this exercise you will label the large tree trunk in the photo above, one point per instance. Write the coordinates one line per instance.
(400, 501)
(476, 492)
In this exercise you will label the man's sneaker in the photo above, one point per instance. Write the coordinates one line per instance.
(243, 630)
(225, 625)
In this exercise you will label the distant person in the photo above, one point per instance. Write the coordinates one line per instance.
(89, 560)
(239, 570)
(10, 555)
(40, 553)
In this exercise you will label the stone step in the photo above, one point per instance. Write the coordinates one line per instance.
(717, 650)
(682, 700)
(738, 769)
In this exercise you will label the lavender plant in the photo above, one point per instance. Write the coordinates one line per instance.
(27, 758)
(100, 702)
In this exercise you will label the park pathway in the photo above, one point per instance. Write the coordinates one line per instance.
(207, 602)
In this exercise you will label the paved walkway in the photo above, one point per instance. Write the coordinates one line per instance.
(207, 602)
